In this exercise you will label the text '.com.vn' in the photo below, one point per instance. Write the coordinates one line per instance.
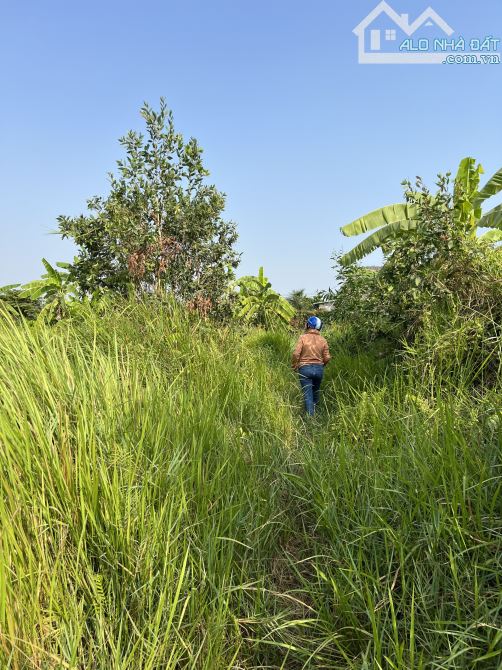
(455, 51)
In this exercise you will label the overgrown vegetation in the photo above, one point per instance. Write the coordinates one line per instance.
(164, 504)
(404, 219)
(164, 507)
(439, 290)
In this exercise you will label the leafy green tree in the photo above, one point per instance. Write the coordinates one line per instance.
(17, 304)
(402, 219)
(160, 227)
(299, 300)
(356, 300)
(303, 305)
(259, 304)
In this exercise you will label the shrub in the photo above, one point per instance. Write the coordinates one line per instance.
(437, 281)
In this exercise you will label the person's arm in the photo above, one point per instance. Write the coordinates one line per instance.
(297, 353)
(325, 353)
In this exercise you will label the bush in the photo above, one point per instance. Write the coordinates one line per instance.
(357, 302)
(438, 283)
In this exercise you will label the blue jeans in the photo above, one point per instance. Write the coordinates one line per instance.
(310, 381)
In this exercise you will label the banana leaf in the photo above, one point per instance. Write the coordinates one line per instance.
(286, 310)
(51, 272)
(492, 219)
(34, 289)
(492, 187)
(492, 236)
(375, 240)
(468, 176)
(248, 309)
(380, 217)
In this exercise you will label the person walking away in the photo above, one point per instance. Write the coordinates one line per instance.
(310, 356)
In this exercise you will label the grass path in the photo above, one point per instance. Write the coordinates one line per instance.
(396, 538)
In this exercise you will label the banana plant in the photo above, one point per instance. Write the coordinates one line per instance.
(401, 219)
(54, 289)
(260, 304)
(493, 218)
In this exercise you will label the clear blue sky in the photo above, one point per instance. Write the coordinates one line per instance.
(300, 136)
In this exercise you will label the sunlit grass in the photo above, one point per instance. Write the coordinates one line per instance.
(164, 505)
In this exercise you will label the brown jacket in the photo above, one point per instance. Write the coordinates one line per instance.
(311, 349)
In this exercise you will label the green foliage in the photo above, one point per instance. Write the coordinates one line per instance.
(442, 266)
(160, 227)
(260, 305)
(303, 306)
(493, 219)
(131, 521)
(300, 300)
(163, 507)
(458, 345)
(439, 267)
(390, 221)
(492, 187)
(356, 301)
(17, 304)
(55, 291)
(402, 220)
(399, 489)
(466, 198)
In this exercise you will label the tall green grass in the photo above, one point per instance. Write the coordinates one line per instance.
(164, 505)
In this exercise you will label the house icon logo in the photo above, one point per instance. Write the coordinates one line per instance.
(382, 32)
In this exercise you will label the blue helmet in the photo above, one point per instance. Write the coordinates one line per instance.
(314, 322)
